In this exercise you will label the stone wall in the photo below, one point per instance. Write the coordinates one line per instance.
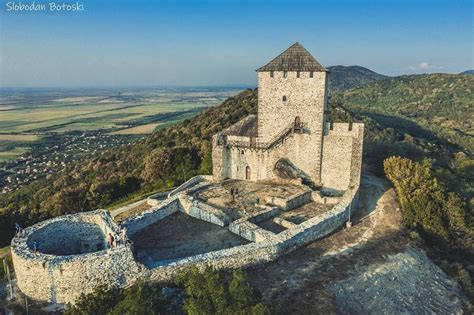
(151, 216)
(269, 248)
(250, 231)
(189, 184)
(342, 155)
(203, 211)
(306, 98)
(70, 237)
(220, 159)
(61, 279)
(298, 148)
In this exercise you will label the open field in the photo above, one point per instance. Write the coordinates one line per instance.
(42, 131)
(28, 114)
(82, 117)
(18, 137)
(43, 111)
(12, 154)
(143, 129)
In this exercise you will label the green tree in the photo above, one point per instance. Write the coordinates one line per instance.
(140, 299)
(426, 206)
(216, 292)
(101, 301)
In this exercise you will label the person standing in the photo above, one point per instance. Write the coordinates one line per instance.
(36, 247)
(110, 240)
(124, 236)
(19, 230)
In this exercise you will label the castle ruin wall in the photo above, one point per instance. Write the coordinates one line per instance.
(63, 278)
(151, 216)
(342, 156)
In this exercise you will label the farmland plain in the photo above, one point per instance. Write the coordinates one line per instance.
(39, 124)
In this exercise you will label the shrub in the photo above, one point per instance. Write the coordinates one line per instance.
(426, 206)
(101, 301)
(216, 292)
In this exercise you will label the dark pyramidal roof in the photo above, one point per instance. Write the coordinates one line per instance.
(295, 58)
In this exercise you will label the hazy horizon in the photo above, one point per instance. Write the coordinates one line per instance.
(215, 43)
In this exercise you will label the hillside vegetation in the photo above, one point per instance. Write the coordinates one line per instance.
(440, 103)
(343, 78)
(208, 291)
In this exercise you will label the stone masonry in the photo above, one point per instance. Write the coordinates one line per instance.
(291, 124)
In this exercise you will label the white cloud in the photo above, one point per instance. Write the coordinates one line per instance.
(423, 66)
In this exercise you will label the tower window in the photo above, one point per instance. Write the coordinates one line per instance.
(284, 98)
(311, 74)
(285, 74)
(271, 74)
(242, 152)
(297, 74)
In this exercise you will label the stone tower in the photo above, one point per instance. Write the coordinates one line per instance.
(289, 138)
(291, 91)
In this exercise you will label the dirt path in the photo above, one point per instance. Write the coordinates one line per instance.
(298, 282)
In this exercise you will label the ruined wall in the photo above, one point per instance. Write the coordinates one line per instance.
(220, 159)
(189, 184)
(151, 216)
(69, 238)
(266, 247)
(203, 211)
(342, 155)
(61, 279)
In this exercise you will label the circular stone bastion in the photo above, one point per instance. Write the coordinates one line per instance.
(72, 253)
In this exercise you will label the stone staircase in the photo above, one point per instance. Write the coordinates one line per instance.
(275, 142)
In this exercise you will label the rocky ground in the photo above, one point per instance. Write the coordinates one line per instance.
(326, 276)
(407, 283)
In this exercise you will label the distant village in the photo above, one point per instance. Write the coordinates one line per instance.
(44, 160)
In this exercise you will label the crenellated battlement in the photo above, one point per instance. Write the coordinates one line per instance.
(346, 129)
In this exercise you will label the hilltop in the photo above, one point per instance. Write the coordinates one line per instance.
(392, 110)
(440, 103)
(343, 78)
(467, 72)
(418, 106)
(435, 103)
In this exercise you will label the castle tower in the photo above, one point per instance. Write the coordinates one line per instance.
(292, 89)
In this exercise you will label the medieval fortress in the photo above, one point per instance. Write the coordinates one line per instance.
(281, 179)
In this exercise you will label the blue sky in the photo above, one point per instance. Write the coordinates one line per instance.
(146, 42)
